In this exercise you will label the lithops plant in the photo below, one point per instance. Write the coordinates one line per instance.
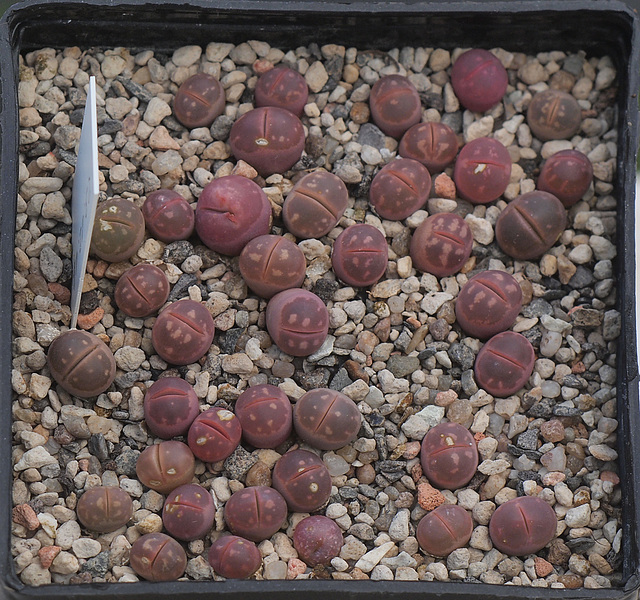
(118, 230)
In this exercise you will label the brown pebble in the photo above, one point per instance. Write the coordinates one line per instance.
(93, 318)
(439, 330)
(600, 563)
(542, 566)
(429, 497)
(85, 577)
(360, 112)
(416, 472)
(411, 450)
(552, 431)
(578, 367)
(366, 474)
(446, 398)
(559, 552)
(47, 554)
(570, 581)
(100, 269)
(356, 371)
(358, 574)
(261, 66)
(610, 476)
(37, 284)
(24, 515)
(382, 329)
(478, 436)
(258, 474)
(444, 187)
(60, 293)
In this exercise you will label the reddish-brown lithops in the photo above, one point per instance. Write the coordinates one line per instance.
(567, 175)
(158, 557)
(554, 115)
(523, 526)
(400, 188)
(255, 512)
(504, 364)
(297, 321)
(530, 225)
(168, 216)
(326, 419)
(360, 255)
(183, 332)
(435, 145)
(271, 263)
(199, 100)
(488, 303)
(81, 363)
(232, 210)
(303, 479)
(482, 170)
(441, 244)
(104, 508)
(214, 434)
(317, 539)
(449, 456)
(479, 80)
(165, 466)
(142, 290)
(234, 557)
(170, 406)
(265, 414)
(282, 87)
(315, 204)
(188, 512)
(444, 529)
(270, 139)
(395, 104)
(118, 230)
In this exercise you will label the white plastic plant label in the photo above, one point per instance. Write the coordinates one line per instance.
(84, 198)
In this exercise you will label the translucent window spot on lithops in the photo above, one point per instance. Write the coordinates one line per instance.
(300, 469)
(479, 168)
(155, 482)
(104, 226)
(171, 471)
(262, 142)
(225, 415)
(201, 441)
(313, 487)
(449, 441)
(145, 560)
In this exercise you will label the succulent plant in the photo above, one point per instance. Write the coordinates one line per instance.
(118, 230)
(395, 104)
(255, 512)
(170, 406)
(199, 100)
(360, 255)
(188, 512)
(567, 175)
(479, 79)
(444, 529)
(435, 145)
(214, 434)
(234, 557)
(141, 290)
(554, 115)
(165, 466)
(104, 508)
(317, 539)
(168, 216)
(282, 87)
(158, 557)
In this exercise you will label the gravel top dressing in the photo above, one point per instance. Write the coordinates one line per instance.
(523, 424)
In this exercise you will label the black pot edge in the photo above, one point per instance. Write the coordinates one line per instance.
(607, 16)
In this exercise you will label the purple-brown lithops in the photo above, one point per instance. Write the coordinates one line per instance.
(282, 87)
(214, 434)
(269, 138)
(318, 539)
(297, 321)
(504, 364)
(360, 255)
(441, 244)
(326, 419)
(315, 204)
(199, 100)
(449, 456)
(567, 175)
(183, 332)
(530, 225)
(395, 104)
(231, 211)
(170, 406)
(303, 480)
(168, 216)
(265, 414)
(400, 188)
(523, 526)
(482, 170)
(142, 290)
(272, 263)
(104, 508)
(554, 115)
(188, 512)
(435, 145)
(158, 557)
(479, 79)
(81, 363)
(234, 557)
(165, 466)
(118, 230)
(255, 512)
(488, 303)
(444, 529)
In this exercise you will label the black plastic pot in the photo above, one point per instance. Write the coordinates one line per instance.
(598, 27)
